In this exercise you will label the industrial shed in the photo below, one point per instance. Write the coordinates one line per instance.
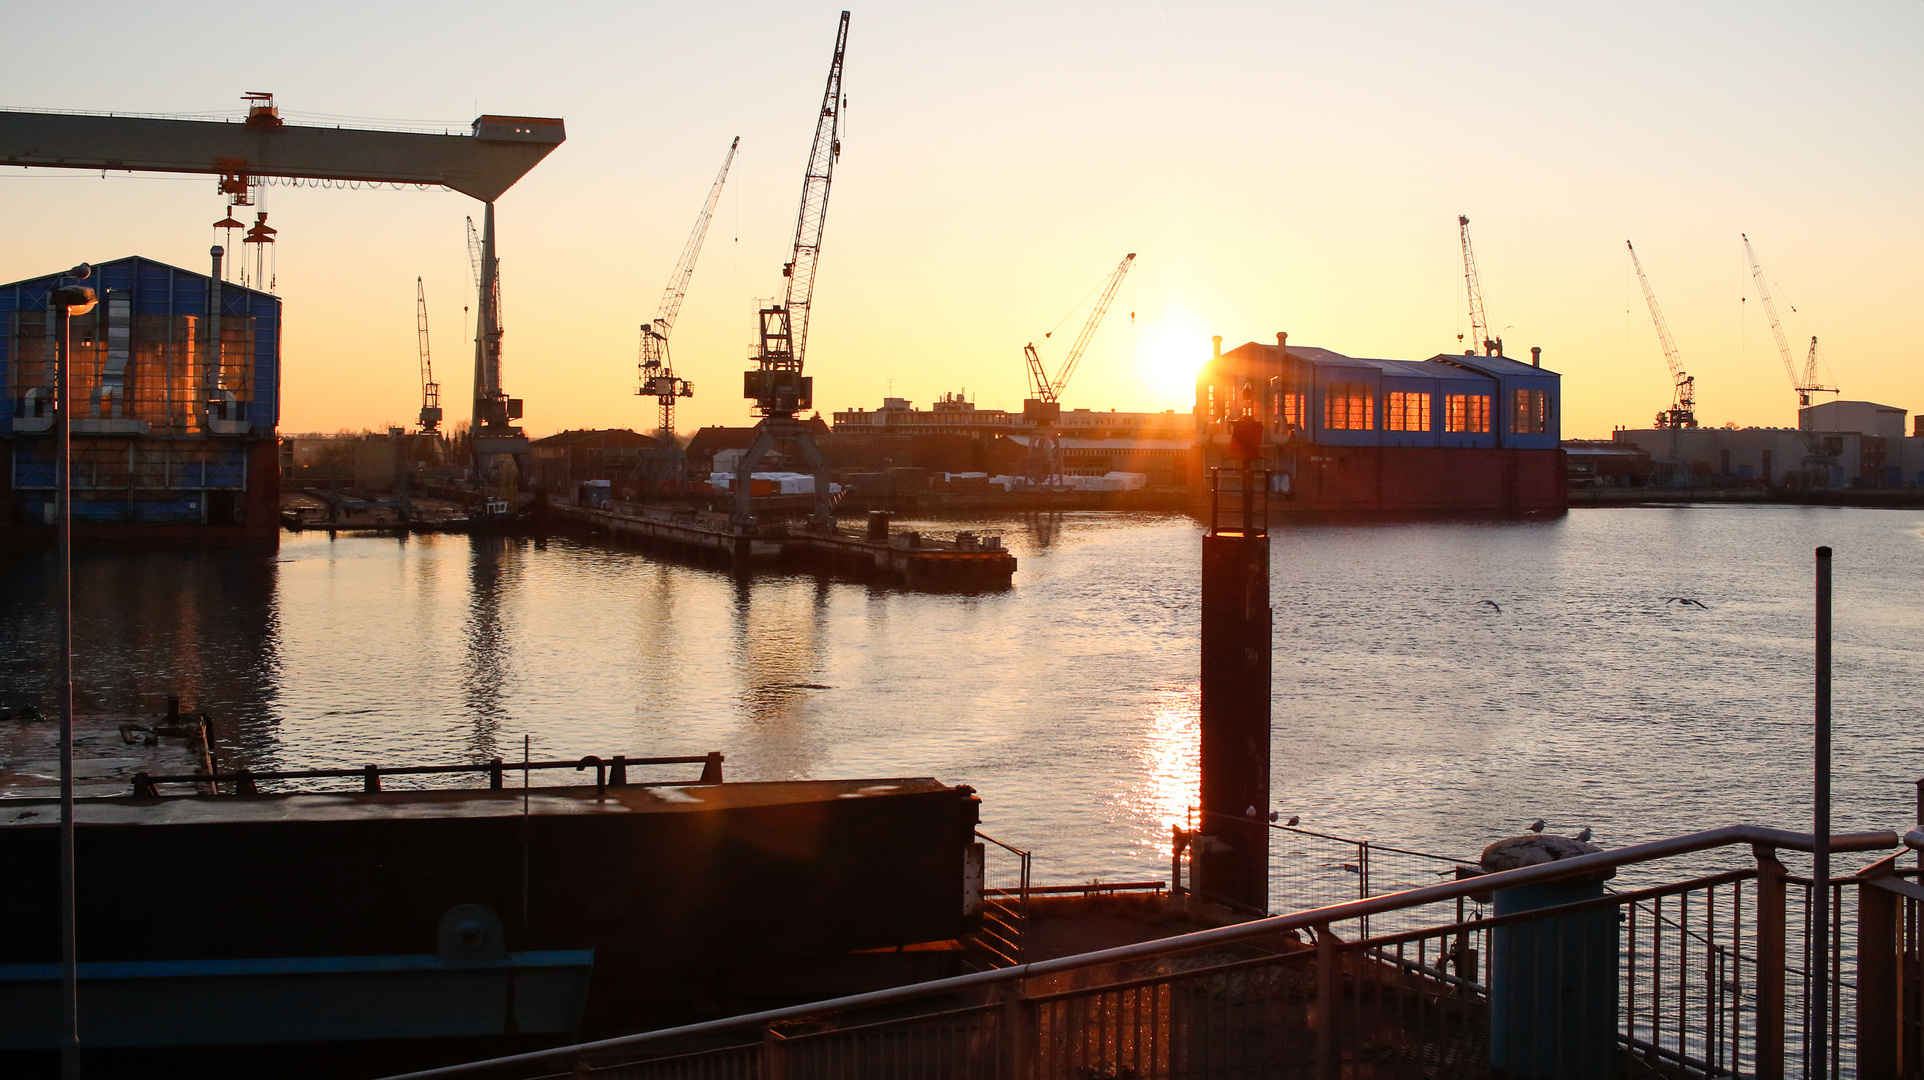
(1348, 433)
(175, 389)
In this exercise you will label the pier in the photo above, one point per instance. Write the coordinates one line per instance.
(964, 562)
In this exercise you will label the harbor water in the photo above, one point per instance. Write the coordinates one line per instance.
(1437, 684)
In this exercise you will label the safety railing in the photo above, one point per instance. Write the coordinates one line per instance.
(612, 772)
(997, 942)
(1673, 978)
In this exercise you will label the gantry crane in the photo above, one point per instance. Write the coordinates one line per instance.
(1479, 322)
(658, 378)
(1807, 385)
(430, 390)
(776, 385)
(1043, 409)
(1683, 402)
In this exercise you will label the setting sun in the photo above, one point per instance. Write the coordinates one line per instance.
(1172, 351)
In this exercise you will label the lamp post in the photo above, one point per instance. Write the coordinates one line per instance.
(65, 300)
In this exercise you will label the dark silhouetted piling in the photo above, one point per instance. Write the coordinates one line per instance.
(1232, 855)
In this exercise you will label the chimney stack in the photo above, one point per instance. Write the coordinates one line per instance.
(1217, 341)
(1536, 356)
(216, 252)
(1282, 339)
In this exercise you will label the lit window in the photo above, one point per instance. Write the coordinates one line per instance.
(1466, 412)
(1408, 412)
(1349, 407)
(1529, 411)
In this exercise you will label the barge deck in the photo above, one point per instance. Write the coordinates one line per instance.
(965, 562)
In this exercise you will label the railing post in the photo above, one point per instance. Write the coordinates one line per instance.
(711, 770)
(494, 774)
(1015, 1035)
(774, 1057)
(370, 778)
(1878, 1018)
(1329, 1019)
(1770, 964)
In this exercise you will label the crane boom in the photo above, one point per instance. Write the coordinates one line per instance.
(430, 390)
(777, 386)
(1808, 384)
(1479, 321)
(658, 378)
(1053, 391)
(1683, 403)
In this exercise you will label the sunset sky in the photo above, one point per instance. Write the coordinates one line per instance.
(1275, 166)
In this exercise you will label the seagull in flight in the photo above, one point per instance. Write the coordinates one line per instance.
(1685, 601)
(1493, 604)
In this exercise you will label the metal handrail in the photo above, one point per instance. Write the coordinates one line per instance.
(1542, 873)
(145, 785)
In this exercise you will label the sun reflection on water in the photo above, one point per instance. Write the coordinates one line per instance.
(1169, 750)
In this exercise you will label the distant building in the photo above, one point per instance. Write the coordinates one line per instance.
(1836, 444)
(562, 461)
(1606, 463)
(953, 435)
(1345, 433)
(175, 384)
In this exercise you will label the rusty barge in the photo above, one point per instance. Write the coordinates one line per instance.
(964, 562)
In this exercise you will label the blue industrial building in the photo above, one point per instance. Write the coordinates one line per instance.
(175, 389)
(1341, 432)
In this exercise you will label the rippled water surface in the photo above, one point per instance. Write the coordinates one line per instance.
(1406, 709)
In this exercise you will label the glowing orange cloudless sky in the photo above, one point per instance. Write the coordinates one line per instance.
(1276, 166)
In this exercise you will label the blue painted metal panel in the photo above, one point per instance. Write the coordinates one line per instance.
(299, 999)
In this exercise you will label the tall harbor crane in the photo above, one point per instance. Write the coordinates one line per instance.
(1807, 384)
(658, 378)
(776, 385)
(1683, 402)
(1479, 322)
(1043, 409)
(430, 390)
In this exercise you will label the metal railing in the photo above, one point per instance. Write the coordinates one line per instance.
(612, 772)
(1681, 978)
(997, 942)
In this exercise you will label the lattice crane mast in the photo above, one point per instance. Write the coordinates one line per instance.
(1479, 322)
(1050, 390)
(1683, 402)
(777, 385)
(430, 390)
(1807, 385)
(658, 378)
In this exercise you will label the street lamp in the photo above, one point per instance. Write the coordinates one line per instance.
(66, 299)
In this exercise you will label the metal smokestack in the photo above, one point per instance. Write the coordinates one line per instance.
(1536, 356)
(216, 251)
(1282, 339)
(1217, 341)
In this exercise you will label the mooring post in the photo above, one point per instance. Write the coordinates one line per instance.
(1231, 858)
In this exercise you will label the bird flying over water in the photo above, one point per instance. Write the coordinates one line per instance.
(1494, 604)
(1536, 826)
(1685, 601)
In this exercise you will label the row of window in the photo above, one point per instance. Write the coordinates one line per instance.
(1352, 407)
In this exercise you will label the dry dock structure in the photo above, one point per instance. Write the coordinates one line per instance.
(967, 561)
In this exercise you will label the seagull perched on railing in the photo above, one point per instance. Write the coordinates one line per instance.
(1535, 826)
(1584, 836)
(1293, 819)
(1685, 601)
